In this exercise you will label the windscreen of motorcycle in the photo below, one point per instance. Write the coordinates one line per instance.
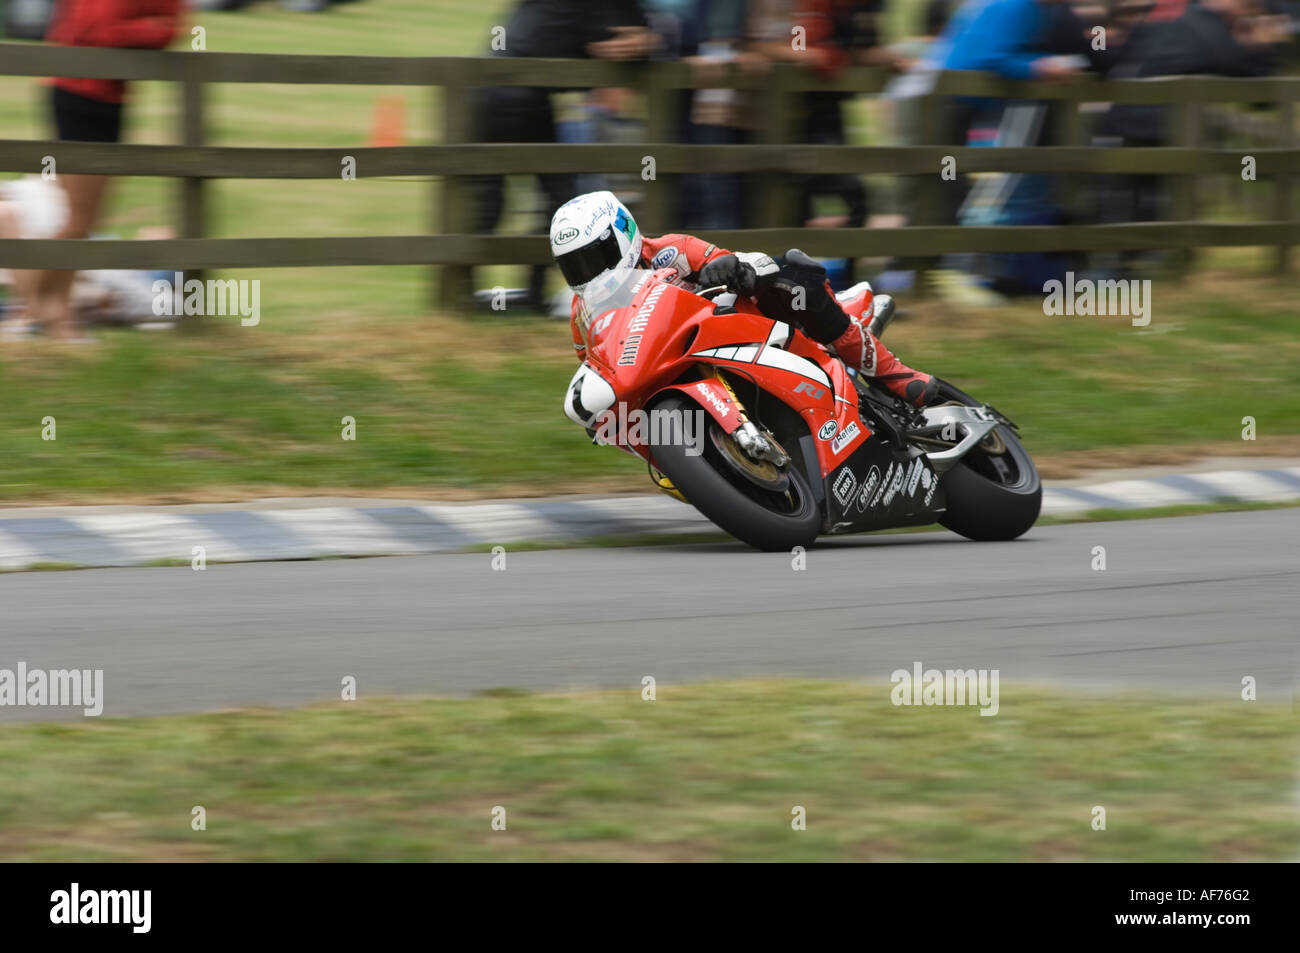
(597, 300)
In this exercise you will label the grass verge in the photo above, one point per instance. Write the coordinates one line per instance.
(706, 772)
(471, 406)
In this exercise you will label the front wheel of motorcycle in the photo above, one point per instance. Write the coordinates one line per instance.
(994, 493)
(765, 518)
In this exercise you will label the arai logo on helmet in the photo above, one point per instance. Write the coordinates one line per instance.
(828, 430)
(565, 235)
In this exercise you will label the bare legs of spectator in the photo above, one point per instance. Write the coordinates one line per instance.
(24, 280)
(52, 302)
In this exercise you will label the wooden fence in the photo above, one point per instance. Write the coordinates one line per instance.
(449, 244)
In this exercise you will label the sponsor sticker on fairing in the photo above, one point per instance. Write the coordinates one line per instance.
(884, 486)
(917, 468)
(895, 485)
(828, 430)
(718, 403)
(869, 487)
(844, 485)
(930, 481)
(845, 437)
(632, 345)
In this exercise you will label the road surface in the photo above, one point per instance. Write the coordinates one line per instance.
(1193, 603)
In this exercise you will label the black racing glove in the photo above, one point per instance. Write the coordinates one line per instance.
(744, 273)
(730, 271)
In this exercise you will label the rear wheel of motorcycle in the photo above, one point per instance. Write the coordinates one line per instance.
(991, 495)
(765, 519)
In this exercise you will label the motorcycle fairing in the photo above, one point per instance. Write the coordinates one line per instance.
(877, 487)
(716, 400)
(796, 371)
(669, 329)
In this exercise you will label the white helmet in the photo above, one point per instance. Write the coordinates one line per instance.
(594, 239)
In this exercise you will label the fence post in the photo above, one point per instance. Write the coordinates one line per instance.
(191, 194)
(926, 206)
(779, 190)
(1068, 132)
(1187, 133)
(1284, 183)
(660, 206)
(452, 211)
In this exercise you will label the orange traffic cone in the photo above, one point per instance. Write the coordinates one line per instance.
(390, 116)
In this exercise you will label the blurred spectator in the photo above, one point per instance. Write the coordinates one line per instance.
(37, 207)
(26, 19)
(1217, 37)
(298, 6)
(719, 117)
(676, 24)
(1018, 39)
(825, 36)
(565, 29)
(90, 110)
(834, 34)
(30, 207)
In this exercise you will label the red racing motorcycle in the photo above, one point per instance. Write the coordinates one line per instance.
(772, 437)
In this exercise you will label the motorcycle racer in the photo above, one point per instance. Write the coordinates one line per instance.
(596, 243)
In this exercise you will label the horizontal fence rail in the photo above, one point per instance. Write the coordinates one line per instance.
(774, 157)
(913, 240)
(237, 162)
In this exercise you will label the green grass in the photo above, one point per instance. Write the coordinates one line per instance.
(706, 772)
(472, 405)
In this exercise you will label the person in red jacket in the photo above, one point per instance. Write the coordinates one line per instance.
(596, 244)
(90, 110)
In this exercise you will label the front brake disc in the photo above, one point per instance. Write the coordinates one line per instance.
(762, 473)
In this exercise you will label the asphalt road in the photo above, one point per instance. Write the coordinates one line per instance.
(1186, 604)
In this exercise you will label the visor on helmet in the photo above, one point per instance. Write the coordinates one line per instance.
(583, 264)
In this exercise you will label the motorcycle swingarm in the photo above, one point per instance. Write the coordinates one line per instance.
(973, 423)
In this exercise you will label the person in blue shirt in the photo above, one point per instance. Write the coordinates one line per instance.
(1021, 40)
(1008, 37)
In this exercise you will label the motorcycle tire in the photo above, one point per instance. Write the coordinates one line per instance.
(762, 518)
(991, 497)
